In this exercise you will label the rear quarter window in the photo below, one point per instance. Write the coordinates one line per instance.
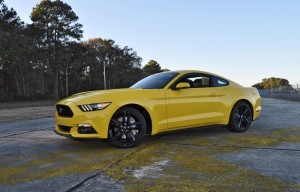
(219, 82)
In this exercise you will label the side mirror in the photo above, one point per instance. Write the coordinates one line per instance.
(182, 85)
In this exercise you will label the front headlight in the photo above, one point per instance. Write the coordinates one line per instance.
(94, 106)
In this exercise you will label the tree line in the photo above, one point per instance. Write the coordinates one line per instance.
(47, 59)
(272, 82)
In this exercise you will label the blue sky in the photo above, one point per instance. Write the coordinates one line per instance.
(243, 40)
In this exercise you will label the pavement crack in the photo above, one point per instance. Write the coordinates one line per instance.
(232, 146)
(83, 181)
(24, 132)
(77, 186)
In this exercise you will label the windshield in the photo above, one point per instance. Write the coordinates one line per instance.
(156, 81)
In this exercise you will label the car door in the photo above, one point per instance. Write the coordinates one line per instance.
(198, 104)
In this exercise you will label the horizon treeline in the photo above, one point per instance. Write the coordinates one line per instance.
(273, 82)
(47, 59)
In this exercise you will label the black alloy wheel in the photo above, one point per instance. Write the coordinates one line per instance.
(127, 128)
(241, 117)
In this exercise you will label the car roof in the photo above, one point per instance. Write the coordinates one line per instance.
(189, 71)
(197, 71)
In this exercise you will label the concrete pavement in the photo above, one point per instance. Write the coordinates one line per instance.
(265, 158)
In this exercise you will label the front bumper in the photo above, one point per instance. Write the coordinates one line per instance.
(68, 126)
(61, 134)
(257, 113)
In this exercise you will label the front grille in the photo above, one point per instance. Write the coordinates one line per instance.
(64, 111)
(65, 128)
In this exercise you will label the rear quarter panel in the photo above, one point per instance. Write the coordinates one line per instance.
(230, 95)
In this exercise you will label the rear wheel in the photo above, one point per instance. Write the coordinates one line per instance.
(127, 128)
(241, 117)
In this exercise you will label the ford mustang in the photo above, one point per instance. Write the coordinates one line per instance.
(159, 103)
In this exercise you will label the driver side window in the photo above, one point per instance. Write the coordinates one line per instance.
(197, 80)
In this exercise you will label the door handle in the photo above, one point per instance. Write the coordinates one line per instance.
(212, 95)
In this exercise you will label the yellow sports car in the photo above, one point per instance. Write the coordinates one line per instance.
(159, 103)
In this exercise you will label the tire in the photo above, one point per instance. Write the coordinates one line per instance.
(240, 117)
(127, 128)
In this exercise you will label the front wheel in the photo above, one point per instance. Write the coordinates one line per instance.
(127, 128)
(241, 117)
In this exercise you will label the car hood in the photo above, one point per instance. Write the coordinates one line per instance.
(96, 96)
